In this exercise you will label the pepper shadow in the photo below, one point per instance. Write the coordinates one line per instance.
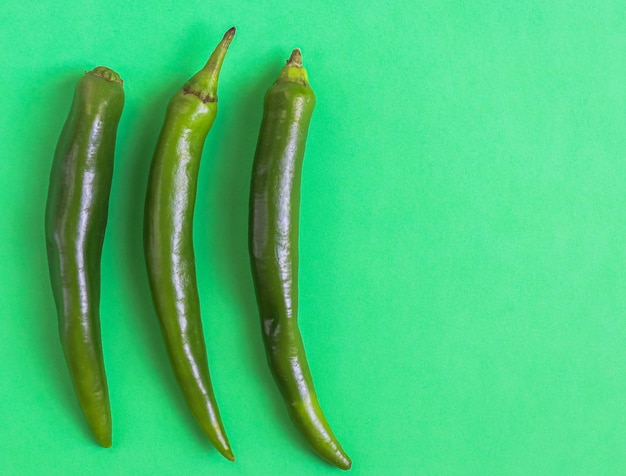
(146, 125)
(229, 190)
(230, 186)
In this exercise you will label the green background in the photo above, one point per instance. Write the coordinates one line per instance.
(463, 261)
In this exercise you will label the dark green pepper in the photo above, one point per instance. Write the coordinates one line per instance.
(273, 245)
(168, 240)
(76, 218)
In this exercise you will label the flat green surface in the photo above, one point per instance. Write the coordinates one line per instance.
(463, 251)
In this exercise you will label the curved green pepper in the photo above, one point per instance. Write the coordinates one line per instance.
(273, 245)
(76, 218)
(168, 240)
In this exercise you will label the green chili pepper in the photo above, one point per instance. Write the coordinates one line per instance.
(76, 218)
(168, 240)
(273, 245)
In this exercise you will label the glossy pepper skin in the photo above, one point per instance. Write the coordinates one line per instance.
(168, 240)
(76, 218)
(273, 246)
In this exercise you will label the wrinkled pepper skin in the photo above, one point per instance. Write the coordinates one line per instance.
(273, 246)
(76, 218)
(168, 240)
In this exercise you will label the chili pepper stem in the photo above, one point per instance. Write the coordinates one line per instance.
(204, 83)
(106, 73)
(293, 71)
(296, 58)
